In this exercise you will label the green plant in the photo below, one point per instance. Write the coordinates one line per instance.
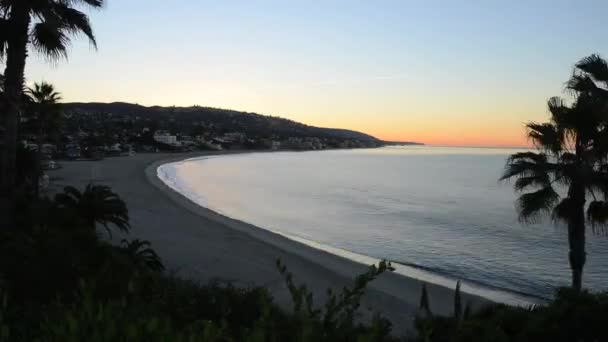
(337, 320)
(117, 320)
(571, 316)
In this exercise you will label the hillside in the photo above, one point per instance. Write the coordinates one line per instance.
(191, 119)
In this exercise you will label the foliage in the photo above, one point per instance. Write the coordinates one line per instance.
(55, 243)
(140, 254)
(78, 286)
(43, 114)
(337, 320)
(28, 172)
(572, 155)
(571, 316)
(96, 204)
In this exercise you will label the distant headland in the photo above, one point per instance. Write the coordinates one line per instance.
(99, 125)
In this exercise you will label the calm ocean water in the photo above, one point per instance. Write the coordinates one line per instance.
(439, 209)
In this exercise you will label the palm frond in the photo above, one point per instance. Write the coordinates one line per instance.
(142, 254)
(74, 21)
(69, 197)
(581, 83)
(92, 3)
(597, 214)
(534, 204)
(530, 168)
(597, 180)
(559, 112)
(562, 210)
(595, 66)
(545, 136)
(49, 40)
(96, 204)
(523, 183)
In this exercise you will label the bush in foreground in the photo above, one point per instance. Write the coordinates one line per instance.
(571, 316)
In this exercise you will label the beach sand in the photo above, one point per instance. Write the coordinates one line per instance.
(198, 243)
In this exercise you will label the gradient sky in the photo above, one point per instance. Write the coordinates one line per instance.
(439, 72)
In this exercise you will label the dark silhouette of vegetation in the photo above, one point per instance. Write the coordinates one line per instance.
(46, 25)
(60, 281)
(141, 255)
(44, 112)
(337, 320)
(572, 154)
(43, 116)
(571, 316)
(96, 204)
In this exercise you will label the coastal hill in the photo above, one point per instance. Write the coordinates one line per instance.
(197, 119)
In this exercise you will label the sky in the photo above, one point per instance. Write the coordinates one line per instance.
(452, 72)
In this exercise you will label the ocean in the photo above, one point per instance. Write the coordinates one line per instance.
(439, 211)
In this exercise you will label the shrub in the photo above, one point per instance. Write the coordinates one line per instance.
(571, 316)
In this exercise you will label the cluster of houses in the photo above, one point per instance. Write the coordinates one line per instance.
(95, 135)
(238, 140)
(187, 142)
(81, 145)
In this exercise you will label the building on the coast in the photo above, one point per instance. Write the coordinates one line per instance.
(235, 137)
(187, 140)
(273, 144)
(165, 138)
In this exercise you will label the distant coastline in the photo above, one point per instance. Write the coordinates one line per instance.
(402, 143)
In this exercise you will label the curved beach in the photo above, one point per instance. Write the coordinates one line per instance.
(198, 243)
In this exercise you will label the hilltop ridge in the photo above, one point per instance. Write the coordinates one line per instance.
(217, 119)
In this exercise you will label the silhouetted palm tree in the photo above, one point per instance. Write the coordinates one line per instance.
(590, 77)
(47, 26)
(570, 164)
(45, 110)
(96, 204)
(142, 256)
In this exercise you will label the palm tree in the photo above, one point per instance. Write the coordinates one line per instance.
(45, 110)
(142, 255)
(45, 114)
(47, 26)
(96, 204)
(571, 161)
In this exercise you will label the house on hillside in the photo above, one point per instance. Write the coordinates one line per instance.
(165, 137)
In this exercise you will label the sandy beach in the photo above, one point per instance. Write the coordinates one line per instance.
(198, 243)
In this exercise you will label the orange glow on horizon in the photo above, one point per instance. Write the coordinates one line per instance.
(473, 140)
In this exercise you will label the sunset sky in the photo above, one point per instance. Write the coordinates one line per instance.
(439, 72)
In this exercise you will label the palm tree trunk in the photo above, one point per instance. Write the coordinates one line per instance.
(38, 165)
(16, 55)
(576, 235)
